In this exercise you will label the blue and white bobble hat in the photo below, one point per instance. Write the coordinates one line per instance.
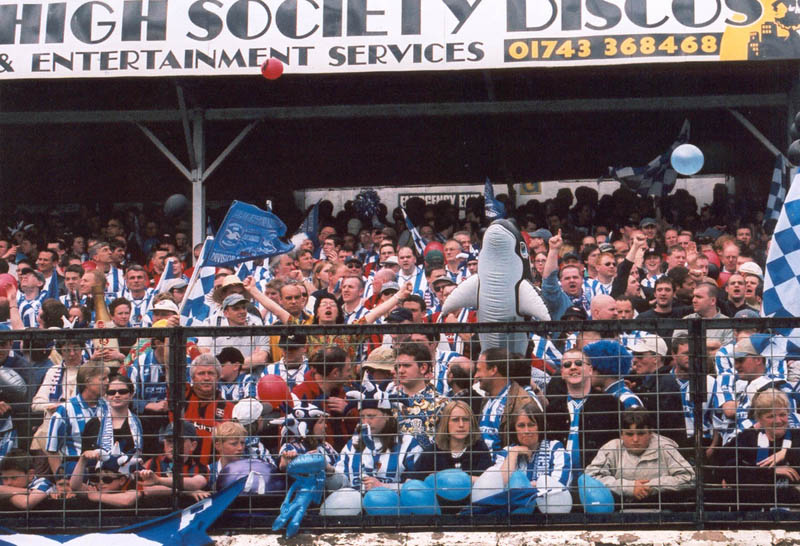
(373, 397)
(301, 420)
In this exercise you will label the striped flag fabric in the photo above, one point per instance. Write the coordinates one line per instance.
(194, 308)
(419, 242)
(782, 272)
(777, 189)
(166, 275)
(657, 178)
(494, 209)
(310, 225)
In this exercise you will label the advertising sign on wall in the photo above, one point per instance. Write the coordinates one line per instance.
(116, 38)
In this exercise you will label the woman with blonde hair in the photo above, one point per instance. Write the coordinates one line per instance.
(458, 444)
(762, 463)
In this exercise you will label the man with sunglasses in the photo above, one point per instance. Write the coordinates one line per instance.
(582, 419)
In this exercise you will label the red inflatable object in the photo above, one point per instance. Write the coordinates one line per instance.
(89, 265)
(273, 390)
(433, 245)
(272, 69)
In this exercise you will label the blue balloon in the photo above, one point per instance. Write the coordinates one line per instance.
(518, 480)
(687, 159)
(418, 498)
(595, 497)
(451, 484)
(381, 501)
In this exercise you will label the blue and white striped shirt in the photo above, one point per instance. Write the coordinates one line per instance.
(550, 461)
(359, 460)
(66, 427)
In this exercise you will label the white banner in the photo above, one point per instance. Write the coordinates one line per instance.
(119, 38)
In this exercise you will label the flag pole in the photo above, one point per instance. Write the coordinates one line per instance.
(195, 275)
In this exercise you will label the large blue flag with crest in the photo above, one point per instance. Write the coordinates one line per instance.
(247, 233)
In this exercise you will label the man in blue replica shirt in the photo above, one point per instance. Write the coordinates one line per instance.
(67, 423)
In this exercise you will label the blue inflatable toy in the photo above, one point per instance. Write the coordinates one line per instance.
(308, 471)
(595, 497)
(418, 498)
(518, 480)
(451, 484)
(381, 501)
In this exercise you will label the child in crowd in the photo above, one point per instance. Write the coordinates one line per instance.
(376, 456)
(305, 431)
(642, 466)
(229, 442)
(20, 487)
(248, 412)
(156, 477)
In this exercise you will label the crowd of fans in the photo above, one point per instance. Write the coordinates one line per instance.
(93, 422)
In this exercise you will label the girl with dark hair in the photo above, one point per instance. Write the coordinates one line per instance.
(376, 456)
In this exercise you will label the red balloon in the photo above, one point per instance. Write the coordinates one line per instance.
(433, 245)
(272, 69)
(273, 390)
(89, 265)
(7, 280)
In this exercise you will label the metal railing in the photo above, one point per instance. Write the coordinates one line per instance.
(710, 503)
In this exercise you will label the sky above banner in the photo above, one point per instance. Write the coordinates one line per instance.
(116, 38)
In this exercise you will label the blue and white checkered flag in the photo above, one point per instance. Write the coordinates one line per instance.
(310, 225)
(419, 242)
(166, 275)
(494, 209)
(657, 178)
(782, 273)
(194, 308)
(777, 189)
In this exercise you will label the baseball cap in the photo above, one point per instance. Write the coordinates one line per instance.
(399, 314)
(541, 233)
(353, 259)
(381, 358)
(744, 348)
(247, 410)
(391, 285)
(292, 340)
(747, 313)
(188, 430)
(443, 279)
(606, 247)
(29, 271)
(575, 312)
(647, 222)
(166, 305)
(233, 299)
(230, 354)
(751, 268)
(650, 344)
(434, 257)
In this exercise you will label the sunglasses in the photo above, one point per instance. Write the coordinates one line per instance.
(112, 392)
(567, 364)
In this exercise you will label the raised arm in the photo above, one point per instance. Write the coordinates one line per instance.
(268, 303)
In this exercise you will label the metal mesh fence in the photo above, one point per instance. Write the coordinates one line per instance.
(598, 423)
